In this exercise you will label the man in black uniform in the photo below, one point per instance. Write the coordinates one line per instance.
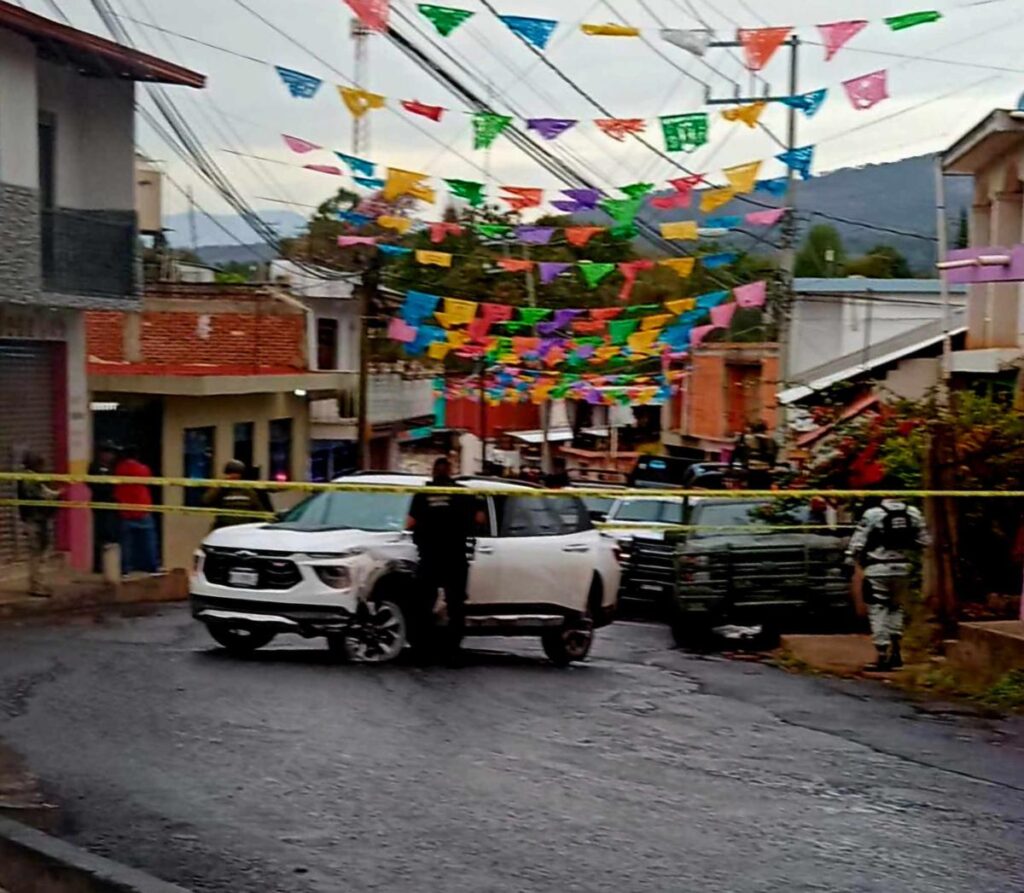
(441, 524)
(106, 523)
(240, 498)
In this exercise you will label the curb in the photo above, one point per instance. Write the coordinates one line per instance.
(34, 862)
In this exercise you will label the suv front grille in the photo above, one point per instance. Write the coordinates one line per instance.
(274, 572)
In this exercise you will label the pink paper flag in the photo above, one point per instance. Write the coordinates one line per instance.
(631, 269)
(722, 315)
(698, 334)
(752, 295)
(324, 169)
(299, 145)
(372, 13)
(837, 34)
(672, 200)
(868, 90)
(766, 218)
(400, 330)
(349, 241)
(440, 231)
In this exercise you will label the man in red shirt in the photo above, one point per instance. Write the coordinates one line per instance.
(138, 528)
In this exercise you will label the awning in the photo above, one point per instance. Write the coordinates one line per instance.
(555, 435)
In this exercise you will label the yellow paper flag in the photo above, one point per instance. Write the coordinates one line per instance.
(742, 177)
(398, 224)
(438, 350)
(610, 30)
(606, 352)
(680, 230)
(682, 266)
(681, 305)
(457, 339)
(445, 319)
(642, 341)
(359, 102)
(712, 199)
(401, 182)
(434, 258)
(654, 322)
(541, 391)
(461, 312)
(748, 114)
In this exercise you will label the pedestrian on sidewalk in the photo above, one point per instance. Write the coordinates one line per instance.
(138, 527)
(884, 544)
(229, 499)
(105, 522)
(38, 523)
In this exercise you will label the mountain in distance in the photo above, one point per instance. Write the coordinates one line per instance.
(895, 196)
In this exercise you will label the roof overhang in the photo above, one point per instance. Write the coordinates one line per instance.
(997, 134)
(91, 54)
(315, 384)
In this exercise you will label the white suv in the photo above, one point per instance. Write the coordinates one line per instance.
(340, 565)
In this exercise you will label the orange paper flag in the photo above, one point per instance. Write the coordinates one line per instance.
(580, 235)
(512, 265)
(760, 44)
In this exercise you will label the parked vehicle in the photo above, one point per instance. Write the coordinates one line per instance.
(658, 472)
(598, 506)
(741, 566)
(340, 565)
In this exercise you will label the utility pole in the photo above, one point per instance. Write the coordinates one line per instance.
(545, 407)
(360, 125)
(367, 291)
(947, 310)
(787, 250)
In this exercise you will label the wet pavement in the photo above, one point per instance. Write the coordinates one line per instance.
(646, 769)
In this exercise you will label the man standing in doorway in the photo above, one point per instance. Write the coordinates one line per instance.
(138, 528)
(884, 543)
(105, 522)
(237, 498)
(441, 525)
(38, 522)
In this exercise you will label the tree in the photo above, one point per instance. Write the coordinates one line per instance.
(822, 254)
(881, 262)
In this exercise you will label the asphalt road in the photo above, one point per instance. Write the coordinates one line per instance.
(645, 770)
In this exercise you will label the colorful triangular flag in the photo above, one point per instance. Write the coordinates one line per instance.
(742, 177)
(468, 190)
(619, 128)
(444, 18)
(867, 90)
(808, 103)
(684, 133)
(415, 107)
(910, 19)
(593, 272)
(359, 102)
(799, 160)
(486, 127)
(299, 84)
(693, 41)
(358, 165)
(760, 44)
(835, 35)
(748, 114)
(550, 128)
(536, 32)
(372, 13)
(301, 146)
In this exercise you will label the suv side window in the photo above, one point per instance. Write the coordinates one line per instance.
(541, 515)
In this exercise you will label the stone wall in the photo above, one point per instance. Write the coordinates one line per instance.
(19, 235)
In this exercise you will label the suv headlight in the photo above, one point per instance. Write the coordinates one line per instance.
(337, 576)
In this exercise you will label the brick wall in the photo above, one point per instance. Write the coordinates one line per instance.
(190, 325)
(715, 372)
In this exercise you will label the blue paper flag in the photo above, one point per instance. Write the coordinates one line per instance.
(393, 250)
(714, 261)
(712, 298)
(799, 160)
(300, 85)
(368, 182)
(534, 31)
(808, 103)
(418, 306)
(777, 186)
(723, 222)
(354, 218)
(358, 165)
(677, 336)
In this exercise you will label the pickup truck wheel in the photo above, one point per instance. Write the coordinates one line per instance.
(567, 645)
(380, 633)
(239, 640)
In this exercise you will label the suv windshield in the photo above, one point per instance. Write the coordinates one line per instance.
(730, 517)
(654, 511)
(358, 511)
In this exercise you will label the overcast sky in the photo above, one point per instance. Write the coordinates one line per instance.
(246, 108)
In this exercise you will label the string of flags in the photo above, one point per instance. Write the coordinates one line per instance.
(572, 338)
(741, 178)
(510, 384)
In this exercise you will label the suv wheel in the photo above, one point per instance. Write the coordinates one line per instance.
(239, 639)
(569, 644)
(380, 633)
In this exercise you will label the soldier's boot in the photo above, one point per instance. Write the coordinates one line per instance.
(895, 655)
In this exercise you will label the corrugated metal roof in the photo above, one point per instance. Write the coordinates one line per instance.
(857, 285)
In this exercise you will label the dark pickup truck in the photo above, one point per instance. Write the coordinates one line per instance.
(738, 564)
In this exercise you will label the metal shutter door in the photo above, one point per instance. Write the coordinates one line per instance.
(26, 423)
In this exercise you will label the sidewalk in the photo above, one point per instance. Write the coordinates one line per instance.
(85, 592)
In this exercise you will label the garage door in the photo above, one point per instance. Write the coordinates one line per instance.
(26, 423)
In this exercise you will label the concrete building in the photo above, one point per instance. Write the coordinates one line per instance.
(992, 152)
(201, 374)
(67, 237)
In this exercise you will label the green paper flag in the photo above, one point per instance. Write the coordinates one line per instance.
(637, 190)
(516, 328)
(560, 390)
(624, 231)
(621, 210)
(492, 230)
(910, 19)
(593, 273)
(468, 190)
(533, 315)
(621, 329)
(486, 128)
(640, 309)
(684, 133)
(445, 18)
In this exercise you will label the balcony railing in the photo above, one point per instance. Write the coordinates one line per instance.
(87, 253)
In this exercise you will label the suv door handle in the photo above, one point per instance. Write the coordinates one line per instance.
(580, 548)
(485, 550)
